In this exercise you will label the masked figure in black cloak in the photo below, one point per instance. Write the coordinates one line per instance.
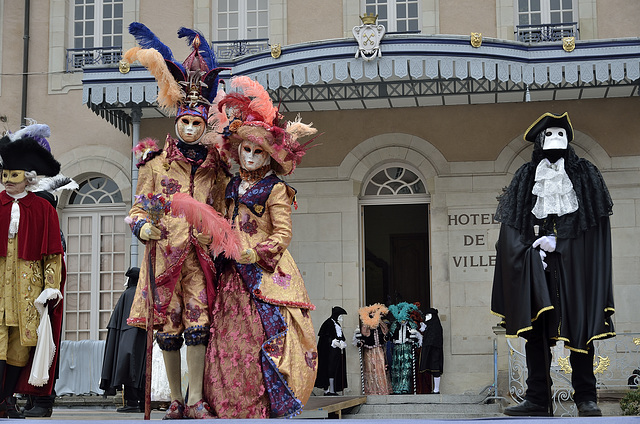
(332, 361)
(553, 266)
(124, 353)
(431, 356)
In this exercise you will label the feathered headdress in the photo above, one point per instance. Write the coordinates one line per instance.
(186, 88)
(249, 114)
(371, 316)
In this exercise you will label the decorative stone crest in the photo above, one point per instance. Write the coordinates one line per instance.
(369, 36)
(568, 44)
(476, 39)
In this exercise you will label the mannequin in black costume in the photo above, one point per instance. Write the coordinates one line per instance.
(125, 352)
(332, 361)
(431, 357)
(553, 265)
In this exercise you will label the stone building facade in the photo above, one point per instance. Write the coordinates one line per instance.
(418, 141)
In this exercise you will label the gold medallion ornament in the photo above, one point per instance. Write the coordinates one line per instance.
(603, 365)
(476, 39)
(568, 44)
(124, 67)
(565, 365)
(276, 50)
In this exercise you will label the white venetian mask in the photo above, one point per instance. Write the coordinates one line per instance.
(252, 156)
(555, 138)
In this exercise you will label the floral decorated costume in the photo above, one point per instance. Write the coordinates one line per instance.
(371, 337)
(183, 271)
(183, 267)
(262, 358)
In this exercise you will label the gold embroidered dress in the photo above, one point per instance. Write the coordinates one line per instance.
(262, 357)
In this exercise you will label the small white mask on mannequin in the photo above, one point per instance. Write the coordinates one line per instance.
(427, 317)
(340, 319)
(555, 138)
(252, 156)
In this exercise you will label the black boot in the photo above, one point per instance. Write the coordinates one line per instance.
(10, 407)
(9, 403)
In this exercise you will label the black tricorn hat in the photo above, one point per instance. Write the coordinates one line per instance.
(549, 120)
(28, 155)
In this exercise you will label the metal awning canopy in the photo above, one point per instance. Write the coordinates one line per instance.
(414, 70)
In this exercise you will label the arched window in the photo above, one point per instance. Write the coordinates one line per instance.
(96, 190)
(97, 256)
(394, 180)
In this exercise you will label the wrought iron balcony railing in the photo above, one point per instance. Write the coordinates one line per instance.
(79, 58)
(229, 50)
(546, 32)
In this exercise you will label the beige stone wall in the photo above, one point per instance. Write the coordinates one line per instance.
(618, 18)
(472, 133)
(463, 17)
(310, 20)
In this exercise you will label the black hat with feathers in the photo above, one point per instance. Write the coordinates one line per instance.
(27, 154)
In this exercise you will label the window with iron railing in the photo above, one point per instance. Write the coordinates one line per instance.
(397, 16)
(545, 20)
(96, 33)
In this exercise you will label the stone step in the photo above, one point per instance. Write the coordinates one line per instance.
(415, 408)
(421, 399)
(452, 415)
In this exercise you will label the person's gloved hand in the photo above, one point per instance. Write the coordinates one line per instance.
(543, 255)
(413, 333)
(357, 333)
(248, 256)
(335, 343)
(343, 345)
(203, 239)
(546, 243)
(149, 232)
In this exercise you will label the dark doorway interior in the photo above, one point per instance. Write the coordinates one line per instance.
(397, 254)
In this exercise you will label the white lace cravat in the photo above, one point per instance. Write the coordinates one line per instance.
(554, 190)
(15, 214)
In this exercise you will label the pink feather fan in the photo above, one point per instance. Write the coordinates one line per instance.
(208, 221)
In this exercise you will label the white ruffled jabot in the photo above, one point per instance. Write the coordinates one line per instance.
(554, 190)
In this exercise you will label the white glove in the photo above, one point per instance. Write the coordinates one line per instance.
(343, 345)
(335, 343)
(413, 333)
(149, 232)
(543, 255)
(547, 243)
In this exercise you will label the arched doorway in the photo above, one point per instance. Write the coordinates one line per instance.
(395, 221)
(97, 240)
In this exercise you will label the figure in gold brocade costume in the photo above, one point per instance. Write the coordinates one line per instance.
(184, 271)
(262, 358)
(31, 263)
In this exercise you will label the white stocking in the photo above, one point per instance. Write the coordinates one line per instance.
(195, 362)
(174, 375)
(331, 386)
(436, 385)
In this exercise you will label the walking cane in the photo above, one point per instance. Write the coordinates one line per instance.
(151, 289)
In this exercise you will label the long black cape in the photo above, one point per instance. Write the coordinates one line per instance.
(575, 294)
(125, 349)
(332, 362)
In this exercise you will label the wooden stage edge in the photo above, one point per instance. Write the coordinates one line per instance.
(329, 406)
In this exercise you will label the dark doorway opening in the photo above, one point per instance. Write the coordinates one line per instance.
(397, 254)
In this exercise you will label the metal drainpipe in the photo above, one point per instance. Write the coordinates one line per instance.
(136, 117)
(25, 62)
